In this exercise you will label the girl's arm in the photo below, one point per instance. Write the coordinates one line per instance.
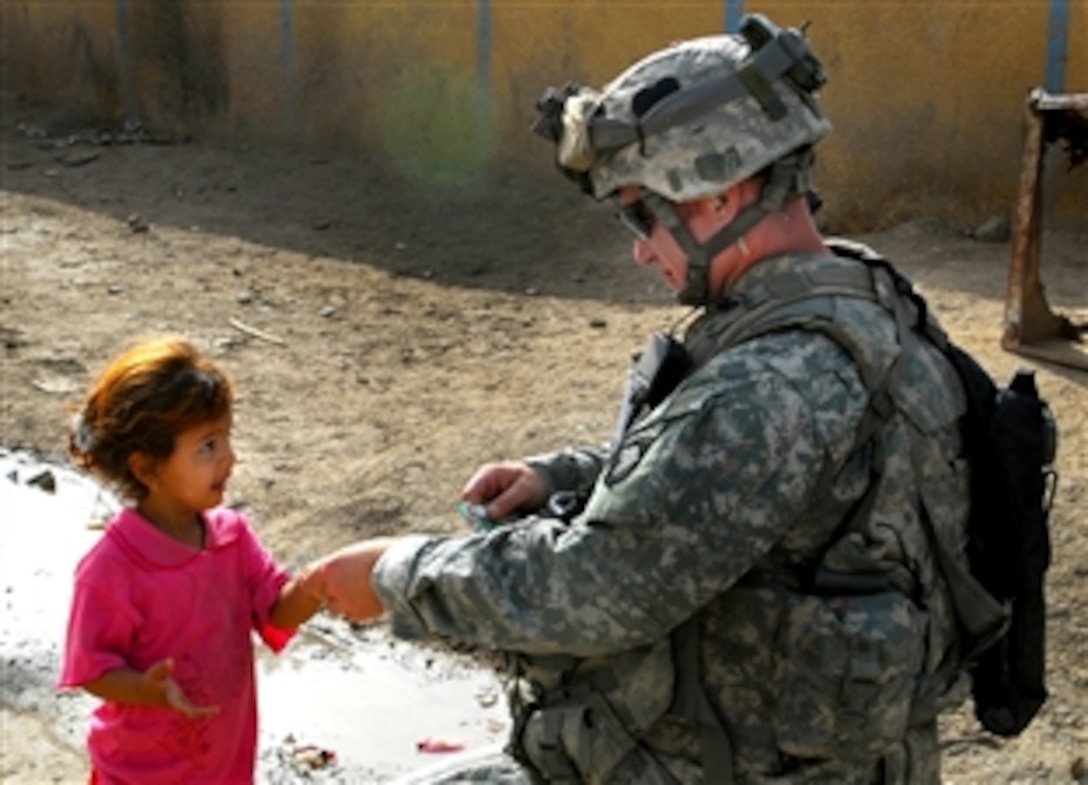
(299, 600)
(153, 687)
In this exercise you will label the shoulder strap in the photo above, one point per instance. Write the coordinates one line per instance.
(803, 300)
(980, 615)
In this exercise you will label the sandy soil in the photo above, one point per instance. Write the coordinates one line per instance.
(387, 336)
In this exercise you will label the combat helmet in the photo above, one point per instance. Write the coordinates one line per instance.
(691, 120)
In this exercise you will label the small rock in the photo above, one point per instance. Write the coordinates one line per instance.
(44, 480)
(328, 312)
(137, 224)
(79, 158)
(487, 698)
(311, 757)
(994, 229)
(305, 758)
(55, 385)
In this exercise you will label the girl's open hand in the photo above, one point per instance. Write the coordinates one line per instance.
(159, 677)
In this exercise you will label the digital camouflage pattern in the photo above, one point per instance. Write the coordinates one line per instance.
(707, 510)
(703, 157)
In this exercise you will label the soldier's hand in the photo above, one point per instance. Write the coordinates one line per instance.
(505, 488)
(343, 579)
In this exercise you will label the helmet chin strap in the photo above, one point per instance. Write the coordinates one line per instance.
(696, 289)
(788, 177)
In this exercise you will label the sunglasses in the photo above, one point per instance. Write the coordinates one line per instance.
(637, 218)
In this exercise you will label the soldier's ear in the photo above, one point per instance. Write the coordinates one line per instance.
(727, 204)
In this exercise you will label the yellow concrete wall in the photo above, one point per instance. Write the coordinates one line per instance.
(63, 53)
(926, 96)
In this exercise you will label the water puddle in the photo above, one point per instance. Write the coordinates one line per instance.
(340, 705)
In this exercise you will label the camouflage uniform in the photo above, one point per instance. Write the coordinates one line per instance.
(752, 591)
(712, 508)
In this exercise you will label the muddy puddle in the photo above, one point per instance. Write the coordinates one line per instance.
(340, 705)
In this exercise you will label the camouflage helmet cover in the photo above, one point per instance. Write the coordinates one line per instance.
(705, 155)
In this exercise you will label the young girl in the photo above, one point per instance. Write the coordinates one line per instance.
(165, 602)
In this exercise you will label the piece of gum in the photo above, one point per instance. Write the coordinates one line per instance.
(476, 514)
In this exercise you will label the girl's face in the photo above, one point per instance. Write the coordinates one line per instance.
(193, 478)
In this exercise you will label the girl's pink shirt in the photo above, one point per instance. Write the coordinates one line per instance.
(142, 597)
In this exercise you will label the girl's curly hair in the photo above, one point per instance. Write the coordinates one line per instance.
(141, 402)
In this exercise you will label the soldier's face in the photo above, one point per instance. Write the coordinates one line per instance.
(654, 244)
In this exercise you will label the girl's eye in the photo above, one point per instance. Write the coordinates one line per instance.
(208, 446)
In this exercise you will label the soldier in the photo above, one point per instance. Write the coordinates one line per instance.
(745, 585)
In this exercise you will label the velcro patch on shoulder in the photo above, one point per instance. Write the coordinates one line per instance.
(624, 462)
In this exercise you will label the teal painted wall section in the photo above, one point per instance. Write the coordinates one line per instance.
(926, 96)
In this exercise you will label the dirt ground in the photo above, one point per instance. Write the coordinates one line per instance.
(387, 336)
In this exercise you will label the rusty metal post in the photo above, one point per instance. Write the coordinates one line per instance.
(1030, 326)
(1028, 317)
